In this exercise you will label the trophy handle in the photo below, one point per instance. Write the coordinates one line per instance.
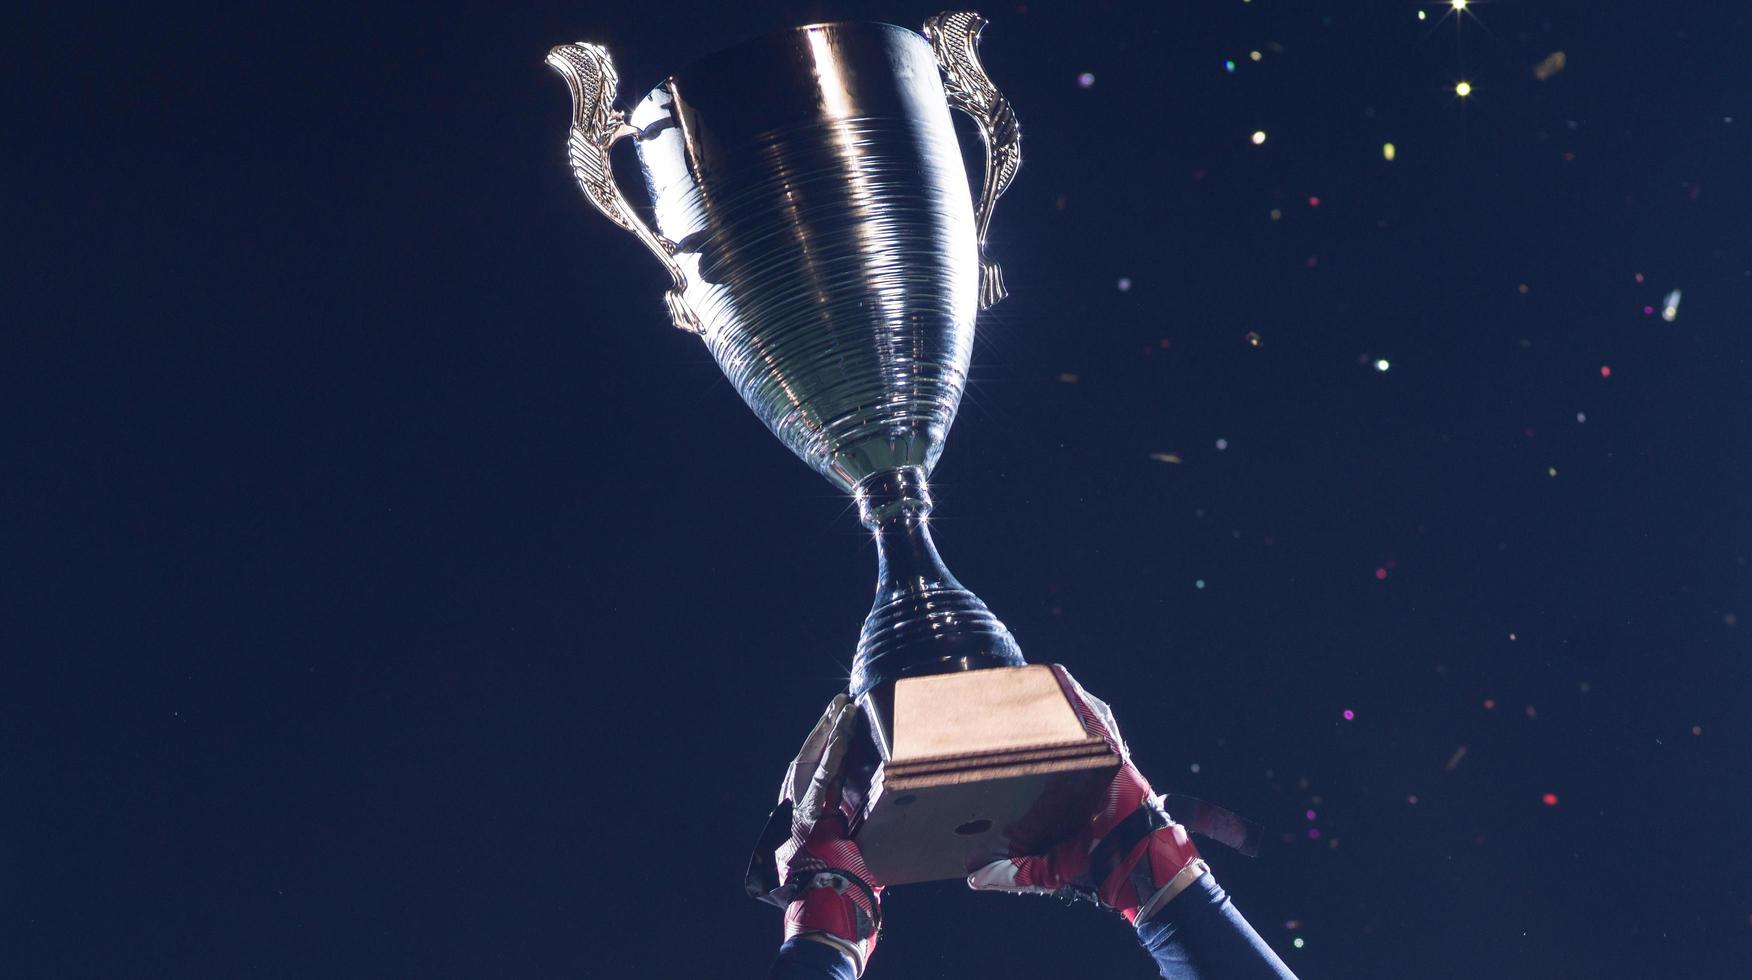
(954, 35)
(596, 126)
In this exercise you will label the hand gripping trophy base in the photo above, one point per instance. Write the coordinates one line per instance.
(975, 754)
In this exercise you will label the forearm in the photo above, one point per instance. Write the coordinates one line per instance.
(1200, 935)
(804, 959)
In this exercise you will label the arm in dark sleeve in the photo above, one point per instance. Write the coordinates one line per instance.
(1200, 935)
(805, 959)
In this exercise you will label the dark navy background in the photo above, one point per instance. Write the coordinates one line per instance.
(389, 591)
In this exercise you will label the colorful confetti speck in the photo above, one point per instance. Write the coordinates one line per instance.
(1551, 65)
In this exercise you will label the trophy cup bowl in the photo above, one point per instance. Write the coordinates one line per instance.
(814, 215)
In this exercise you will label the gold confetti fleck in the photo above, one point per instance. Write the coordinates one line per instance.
(1276, 214)
(1552, 64)
(1069, 378)
(1389, 151)
(1165, 457)
(1253, 339)
(1454, 760)
(1463, 89)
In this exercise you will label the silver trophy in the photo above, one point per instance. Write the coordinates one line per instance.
(815, 219)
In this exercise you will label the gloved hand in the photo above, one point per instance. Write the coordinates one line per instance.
(1130, 857)
(831, 896)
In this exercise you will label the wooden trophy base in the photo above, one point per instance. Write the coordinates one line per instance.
(977, 766)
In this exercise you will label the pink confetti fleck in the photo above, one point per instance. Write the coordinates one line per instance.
(1549, 799)
(1412, 799)
(1511, 637)
(1313, 833)
(1349, 715)
(1605, 371)
(1490, 704)
(1380, 574)
(1639, 277)
(1531, 713)
(1311, 815)
(1313, 201)
(1648, 311)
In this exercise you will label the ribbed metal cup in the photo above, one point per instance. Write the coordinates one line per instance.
(814, 189)
(815, 217)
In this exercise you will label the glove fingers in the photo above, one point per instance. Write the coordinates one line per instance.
(1026, 875)
(823, 788)
(802, 768)
(1101, 712)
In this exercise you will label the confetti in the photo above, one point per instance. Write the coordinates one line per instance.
(1422, 16)
(1382, 364)
(1254, 56)
(1276, 215)
(1253, 339)
(1670, 306)
(1298, 940)
(1222, 444)
(1085, 80)
(1605, 371)
(1166, 457)
(1490, 704)
(1389, 151)
(1229, 66)
(1457, 4)
(1581, 416)
(1199, 584)
(1549, 799)
(1069, 378)
(1380, 574)
(1258, 137)
(1463, 89)
(1551, 65)
(1454, 760)
(1412, 799)
(1124, 284)
(1697, 729)
(1350, 715)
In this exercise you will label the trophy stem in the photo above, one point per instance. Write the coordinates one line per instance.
(923, 621)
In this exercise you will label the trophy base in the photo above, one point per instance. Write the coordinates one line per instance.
(977, 766)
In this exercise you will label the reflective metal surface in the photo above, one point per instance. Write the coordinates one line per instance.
(596, 126)
(955, 38)
(813, 211)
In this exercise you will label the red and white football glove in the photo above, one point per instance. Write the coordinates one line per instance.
(1130, 857)
(828, 893)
